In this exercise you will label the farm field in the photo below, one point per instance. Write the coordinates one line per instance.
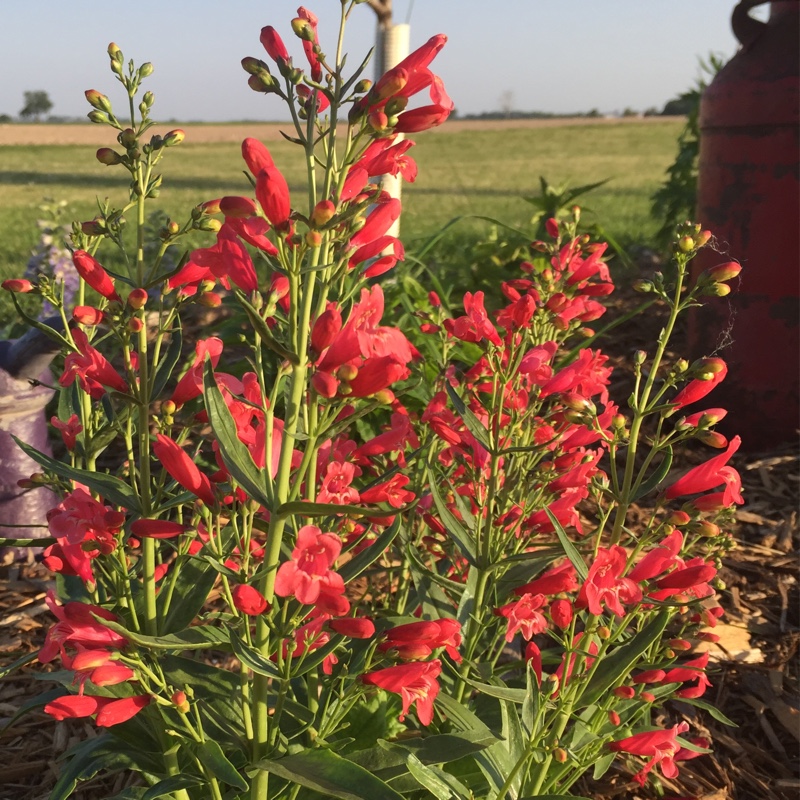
(466, 168)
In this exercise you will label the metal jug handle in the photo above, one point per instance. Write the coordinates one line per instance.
(745, 28)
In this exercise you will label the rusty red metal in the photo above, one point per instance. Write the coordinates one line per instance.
(749, 197)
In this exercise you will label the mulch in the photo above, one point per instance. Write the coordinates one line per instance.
(755, 669)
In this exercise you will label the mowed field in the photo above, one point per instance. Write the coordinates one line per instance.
(465, 168)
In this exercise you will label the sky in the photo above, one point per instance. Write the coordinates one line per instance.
(555, 56)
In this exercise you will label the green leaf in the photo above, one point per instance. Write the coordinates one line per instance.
(200, 637)
(430, 780)
(195, 579)
(499, 690)
(619, 663)
(463, 538)
(603, 765)
(110, 488)
(657, 477)
(212, 757)
(168, 362)
(572, 554)
(235, 455)
(555, 797)
(369, 555)
(87, 760)
(474, 425)
(330, 774)
(262, 329)
(252, 659)
(444, 747)
(714, 712)
(170, 785)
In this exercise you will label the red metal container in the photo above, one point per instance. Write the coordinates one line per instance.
(749, 197)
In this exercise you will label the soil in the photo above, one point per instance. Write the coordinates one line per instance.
(754, 670)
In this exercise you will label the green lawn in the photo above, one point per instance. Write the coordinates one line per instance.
(460, 173)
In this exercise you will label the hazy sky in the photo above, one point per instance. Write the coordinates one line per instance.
(550, 55)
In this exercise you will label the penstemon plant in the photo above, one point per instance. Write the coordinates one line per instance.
(338, 558)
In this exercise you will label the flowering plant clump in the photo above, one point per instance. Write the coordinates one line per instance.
(340, 558)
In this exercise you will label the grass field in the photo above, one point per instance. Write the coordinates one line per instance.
(463, 170)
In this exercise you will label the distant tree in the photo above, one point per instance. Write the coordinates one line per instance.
(651, 112)
(593, 113)
(36, 104)
(5, 118)
(629, 112)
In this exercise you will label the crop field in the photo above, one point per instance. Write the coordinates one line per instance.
(465, 169)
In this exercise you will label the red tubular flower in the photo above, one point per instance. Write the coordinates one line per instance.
(353, 627)
(556, 580)
(309, 571)
(272, 193)
(118, 711)
(326, 328)
(561, 612)
(228, 260)
(391, 492)
(87, 315)
(524, 615)
(336, 484)
(475, 325)
(181, 467)
(91, 369)
(418, 640)
(376, 374)
(693, 672)
(378, 221)
(191, 384)
(659, 559)
(72, 706)
(415, 683)
(93, 273)
(693, 573)
(711, 474)
(249, 600)
(256, 156)
(69, 430)
(605, 586)
(659, 745)
(274, 45)
(308, 47)
(697, 389)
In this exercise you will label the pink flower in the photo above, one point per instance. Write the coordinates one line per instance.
(415, 683)
(605, 586)
(336, 486)
(309, 571)
(659, 745)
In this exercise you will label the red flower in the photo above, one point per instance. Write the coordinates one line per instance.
(181, 467)
(605, 586)
(524, 615)
(475, 325)
(353, 627)
(561, 613)
(249, 600)
(660, 745)
(256, 156)
(93, 273)
(157, 528)
(336, 486)
(272, 193)
(274, 45)
(692, 671)
(716, 370)
(227, 260)
(92, 370)
(308, 46)
(191, 384)
(309, 571)
(391, 492)
(415, 683)
(659, 559)
(69, 430)
(418, 640)
(711, 474)
(118, 711)
(556, 580)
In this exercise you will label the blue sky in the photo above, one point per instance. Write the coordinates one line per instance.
(545, 55)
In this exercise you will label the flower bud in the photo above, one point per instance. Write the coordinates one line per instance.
(18, 285)
(577, 402)
(313, 238)
(713, 439)
(643, 286)
(678, 518)
(98, 117)
(364, 85)
(385, 397)
(254, 66)
(686, 244)
(107, 156)
(148, 98)
(137, 299)
(98, 100)
(723, 272)
(378, 121)
(323, 213)
(648, 697)
(180, 702)
(146, 70)
(434, 300)
(702, 527)
(717, 290)
(135, 324)
(639, 357)
(94, 227)
(347, 372)
(613, 718)
(168, 407)
(560, 755)
(258, 83)
(87, 315)
(174, 137)
(551, 226)
(302, 29)
(208, 224)
(209, 300)
(604, 632)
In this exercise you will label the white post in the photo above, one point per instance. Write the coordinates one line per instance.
(392, 48)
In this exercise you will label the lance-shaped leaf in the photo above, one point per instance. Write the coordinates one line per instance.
(463, 538)
(618, 664)
(211, 755)
(569, 549)
(474, 425)
(369, 555)
(167, 364)
(333, 776)
(656, 478)
(107, 486)
(201, 637)
(262, 329)
(308, 509)
(235, 455)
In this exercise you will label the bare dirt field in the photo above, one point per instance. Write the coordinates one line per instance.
(205, 133)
